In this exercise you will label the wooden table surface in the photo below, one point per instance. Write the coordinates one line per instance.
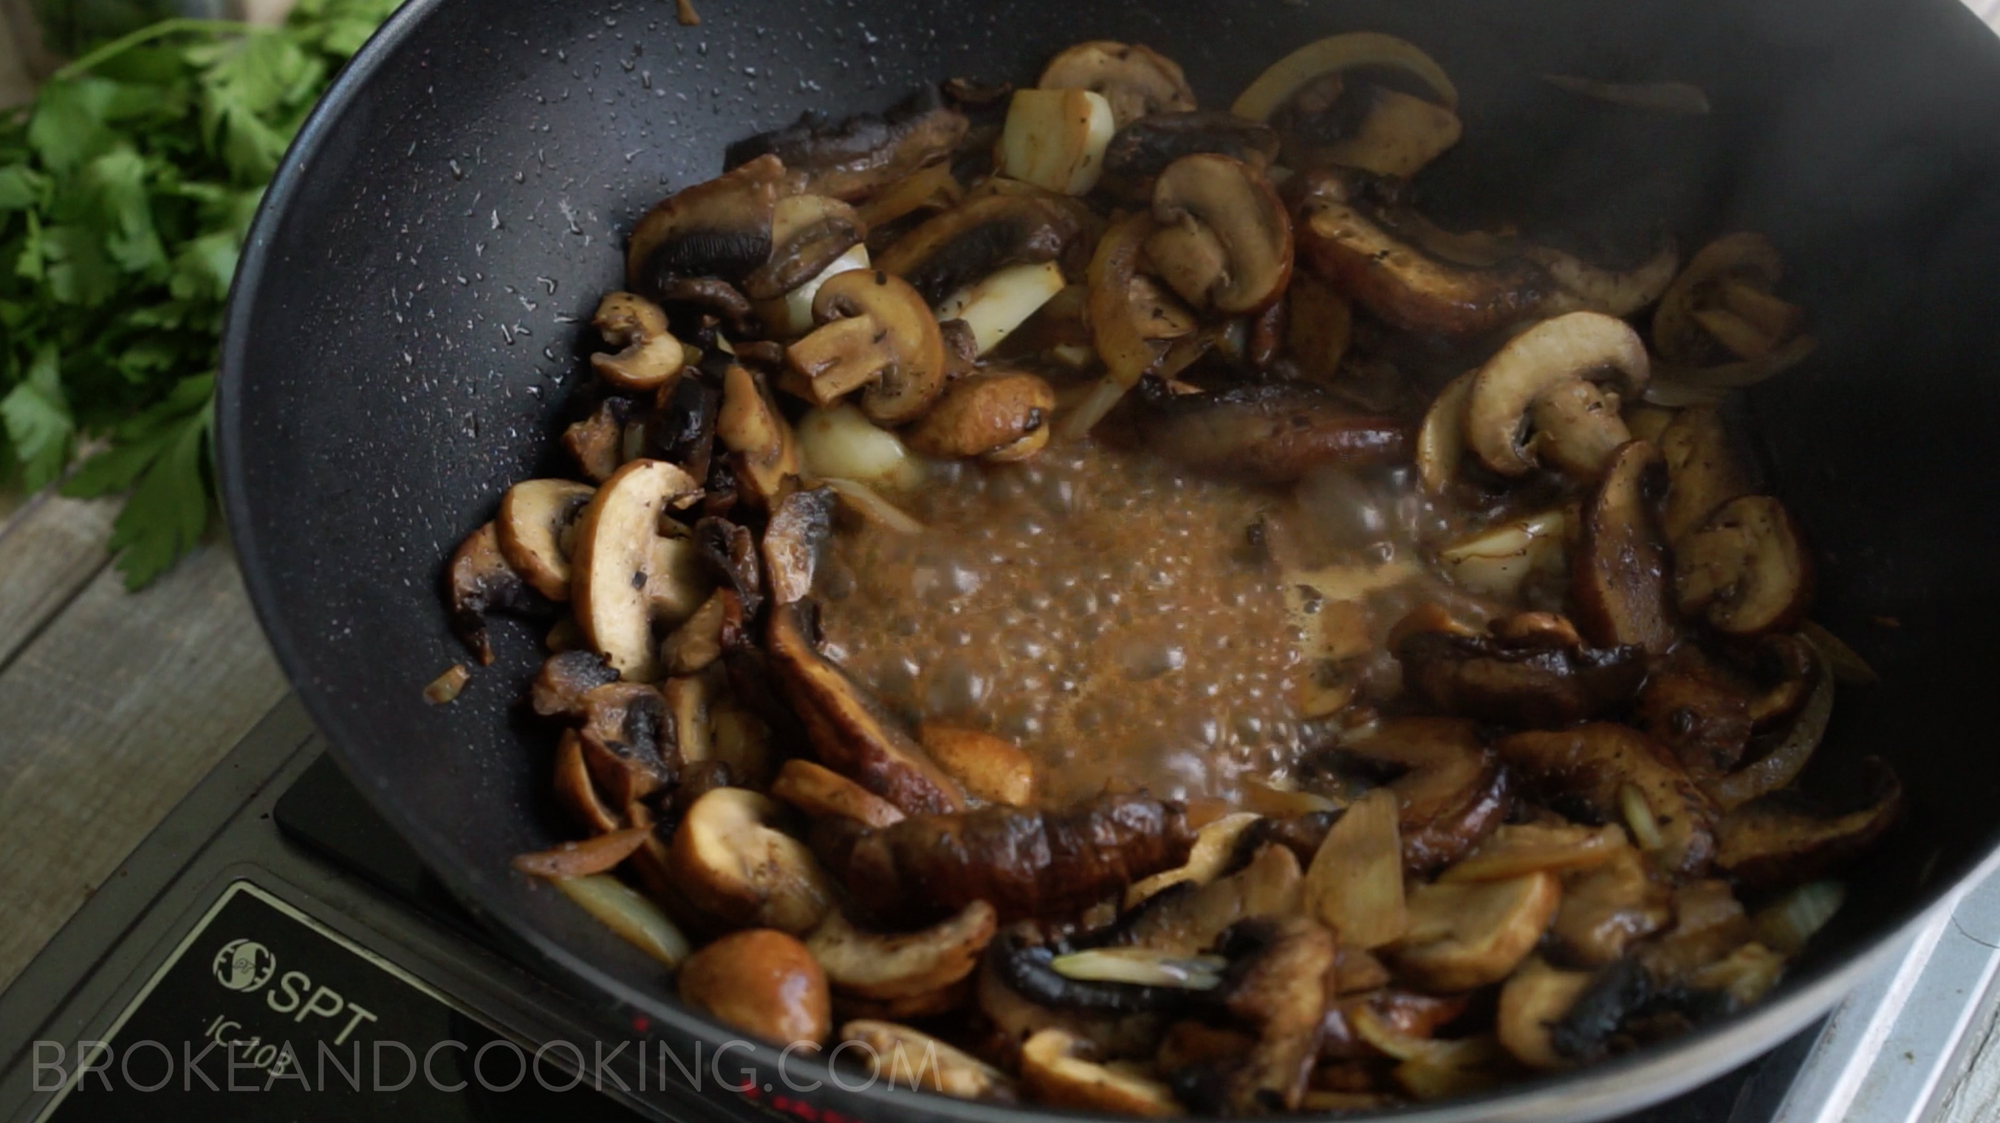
(115, 705)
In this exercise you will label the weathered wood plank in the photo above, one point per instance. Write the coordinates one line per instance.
(49, 551)
(113, 713)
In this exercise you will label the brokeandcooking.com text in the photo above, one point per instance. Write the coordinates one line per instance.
(225, 1065)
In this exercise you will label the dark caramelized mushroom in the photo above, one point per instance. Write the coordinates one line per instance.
(854, 157)
(1025, 964)
(795, 539)
(851, 731)
(1536, 687)
(1453, 791)
(1143, 149)
(597, 442)
(1225, 241)
(808, 233)
(1274, 985)
(1267, 432)
(627, 742)
(1592, 767)
(1027, 863)
(719, 228)
(1620, 578)
(731, 551)
(1782, 840)
(683, 432)
(559, 689)
(977, 238)
(481, 581)
(1136, 79)
(1701, 720)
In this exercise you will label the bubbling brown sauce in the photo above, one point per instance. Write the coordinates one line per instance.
(1120, 618)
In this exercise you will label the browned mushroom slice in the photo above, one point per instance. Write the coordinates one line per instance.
(617, 556)
(1354, 1019)
(1000, 416)
(850, 729)
(1454, 790)
(1225, 241)
(535, 523)
(1187, 919)
(731, 550)
(1025, 862)
(979, 237)
(1277, 967)
(1703, 470)
(713, 296)
(990, 768)
(1531, 1004)
(750, 426)
(1620, 575)
(1522, 848)
(597, 442)
(1543, 375)
(649, 355)
(1055, 1072)
(697, 643)
(1603, 290)
(761, 982)
(1355, 882)
(1407, 288)
(797, 535)
(1746, 570)
(1700, 719)
(1143, 149)
(877, 335)
(894, 965)
(576, 792)
(1465, 935)
(481, 581)
(1780, 840)
(1593, 765)
(808, 233)
(1608, 908)
(820, 791)
(627, 743)
(1216, 848)
(731, 862)
(858, 155)
(1137, 80)
(1270, 432)
(718, 228)
(1708, 924)
(559, 689)
(1478, 677)
(894, 1052)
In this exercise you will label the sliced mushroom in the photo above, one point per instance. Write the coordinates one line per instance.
(1188, 919)
(577, 792)
(560, 686)
(820, 791)
(1538, 686)
(860, 154)
(1536, 374)
(1275, 986)
(1465, 935)
(650, 357)
(801, 526)
(1137, 80)
(716, 298)
(762, 982)
(897, 1052)
(851, 731)
(1619, 580)
(597, 442)
(978, 238)
(1592, 765)
(1016, 1018)
(627, 744)
(1453, 791)
(1055, 1072)
(928, 1005)
(1703, 470)
(481, 581)
(618, 556)
(1269, 432)
(1779, 764)
(1780, 840)
(1701, 720)
(1408, 288)
(718, 228)
(536, 520)
(1025, 862)
(1055, 139)
(1131, 318)
(1142, 149)
(1002, 416)
(1708, 924)
(681, 430)
(1531, 1005)
(902, 964)
(876, 333)
(697, 643)
(1746, 570)
(1522, 848)
(1602, 290)
(731, 551)
(750, 426)
(988, 767)
(1215, 848)
(1607, 909)
(1383, 131)
(1355, 883)
(1357, 1020)
(808, 234)
(1225, 241)
(731, 862)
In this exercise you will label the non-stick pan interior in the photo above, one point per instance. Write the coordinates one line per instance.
(408, 322)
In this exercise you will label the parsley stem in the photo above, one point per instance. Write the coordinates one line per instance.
(150, 32)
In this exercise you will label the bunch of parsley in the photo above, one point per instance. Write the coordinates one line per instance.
(126, 189)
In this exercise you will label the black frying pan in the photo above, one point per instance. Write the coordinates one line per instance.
(405, 331)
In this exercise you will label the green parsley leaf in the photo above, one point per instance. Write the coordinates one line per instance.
(38, 421)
